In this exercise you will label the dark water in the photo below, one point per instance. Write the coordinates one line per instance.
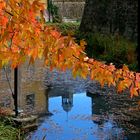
(74, 118)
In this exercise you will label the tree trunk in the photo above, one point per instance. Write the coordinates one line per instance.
(94, 16)
(87, 19)
(16, 91)
(106, 16)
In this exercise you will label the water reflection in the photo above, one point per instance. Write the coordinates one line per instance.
(67, 102)
(72, 119)
(76, 114)
(32, 97)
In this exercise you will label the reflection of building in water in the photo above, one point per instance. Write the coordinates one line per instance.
(98, 103)
(32, 97)
(65, 94)
(67, 101)
(6, 99)
(6, 71)
(98, 107)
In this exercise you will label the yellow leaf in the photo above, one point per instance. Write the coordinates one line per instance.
(125, 68)
(74, 73)
(133, 91)
(102, 82)
(83, 44)
(0, 64)
(5, 62)
(40, 52)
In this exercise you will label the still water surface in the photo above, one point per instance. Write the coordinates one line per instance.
(74, 118)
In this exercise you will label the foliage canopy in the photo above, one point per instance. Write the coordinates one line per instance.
(25, 35)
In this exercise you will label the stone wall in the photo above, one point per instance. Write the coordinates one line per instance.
(70, 9)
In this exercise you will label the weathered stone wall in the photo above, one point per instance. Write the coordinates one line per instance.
(71, 9)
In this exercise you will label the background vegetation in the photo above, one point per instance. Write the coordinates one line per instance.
(105, 47)
(7, 131)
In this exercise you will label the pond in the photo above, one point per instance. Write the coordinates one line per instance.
(80, 109)
(74, 118)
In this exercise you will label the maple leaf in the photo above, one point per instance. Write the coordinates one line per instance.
(133, 91)
(122, 85)
(0, 64)
(83, 44)
(111, 67)
(4, 21)
(2, 4)
(55, 34)
(138, 77)
(125, 68)
(137, 81)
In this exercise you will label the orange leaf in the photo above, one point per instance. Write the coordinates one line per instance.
(55, 34)
(125, 68)
(2, 5)
(0, 64)
(133, 91)
(138, 77)
(4, 21)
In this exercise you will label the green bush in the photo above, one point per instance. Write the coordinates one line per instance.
(110, 48)
(94, 43)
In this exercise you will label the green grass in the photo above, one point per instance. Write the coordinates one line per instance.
(7, 131)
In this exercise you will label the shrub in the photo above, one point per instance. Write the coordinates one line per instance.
(110, 48)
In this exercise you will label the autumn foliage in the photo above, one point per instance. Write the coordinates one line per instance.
(24, 35)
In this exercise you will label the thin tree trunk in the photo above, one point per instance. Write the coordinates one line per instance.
(16, 91)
